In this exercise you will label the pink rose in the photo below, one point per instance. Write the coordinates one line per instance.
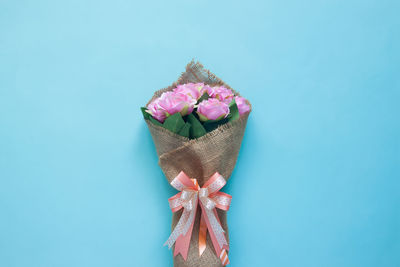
(221, 93)
(242, 104)
(170, 103)
(173, 102)
(194, 90)
(212, 109)
(156, 111)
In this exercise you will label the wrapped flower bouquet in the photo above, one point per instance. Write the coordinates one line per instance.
(197, 125)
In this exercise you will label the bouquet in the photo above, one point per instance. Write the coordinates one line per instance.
(197, 125)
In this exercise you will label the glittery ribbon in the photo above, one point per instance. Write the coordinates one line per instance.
(209, 198)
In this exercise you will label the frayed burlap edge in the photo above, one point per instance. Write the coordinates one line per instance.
(191, 68)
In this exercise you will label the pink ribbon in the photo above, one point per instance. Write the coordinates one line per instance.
(209, 198)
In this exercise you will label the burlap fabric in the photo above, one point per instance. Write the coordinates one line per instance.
(199, 158)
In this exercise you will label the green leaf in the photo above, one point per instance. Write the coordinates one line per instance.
(205, 96)
(233, 111)
(174, 123)
(197, 130)
(156, 122)
(212, 125)
(145, 114)
(185, 131)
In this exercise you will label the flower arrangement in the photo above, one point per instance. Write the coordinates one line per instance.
(197, 125)
(194, 109)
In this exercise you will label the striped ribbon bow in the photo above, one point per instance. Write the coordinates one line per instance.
(209, 198)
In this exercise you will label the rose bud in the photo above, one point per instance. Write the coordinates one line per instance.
(221, 93)
(173, 102)
(242, 104)
(194, 90)
(212, 109)
(156, 111)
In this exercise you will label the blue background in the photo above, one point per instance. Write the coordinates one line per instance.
(317, 180)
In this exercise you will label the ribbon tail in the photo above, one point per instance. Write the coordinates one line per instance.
(216, 234)
(183, 242)
(183, 239)
(178, 229)
(224, 257)
(225, 244)
(202, 234)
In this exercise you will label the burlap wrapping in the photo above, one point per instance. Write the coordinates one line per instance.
(200, 158)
